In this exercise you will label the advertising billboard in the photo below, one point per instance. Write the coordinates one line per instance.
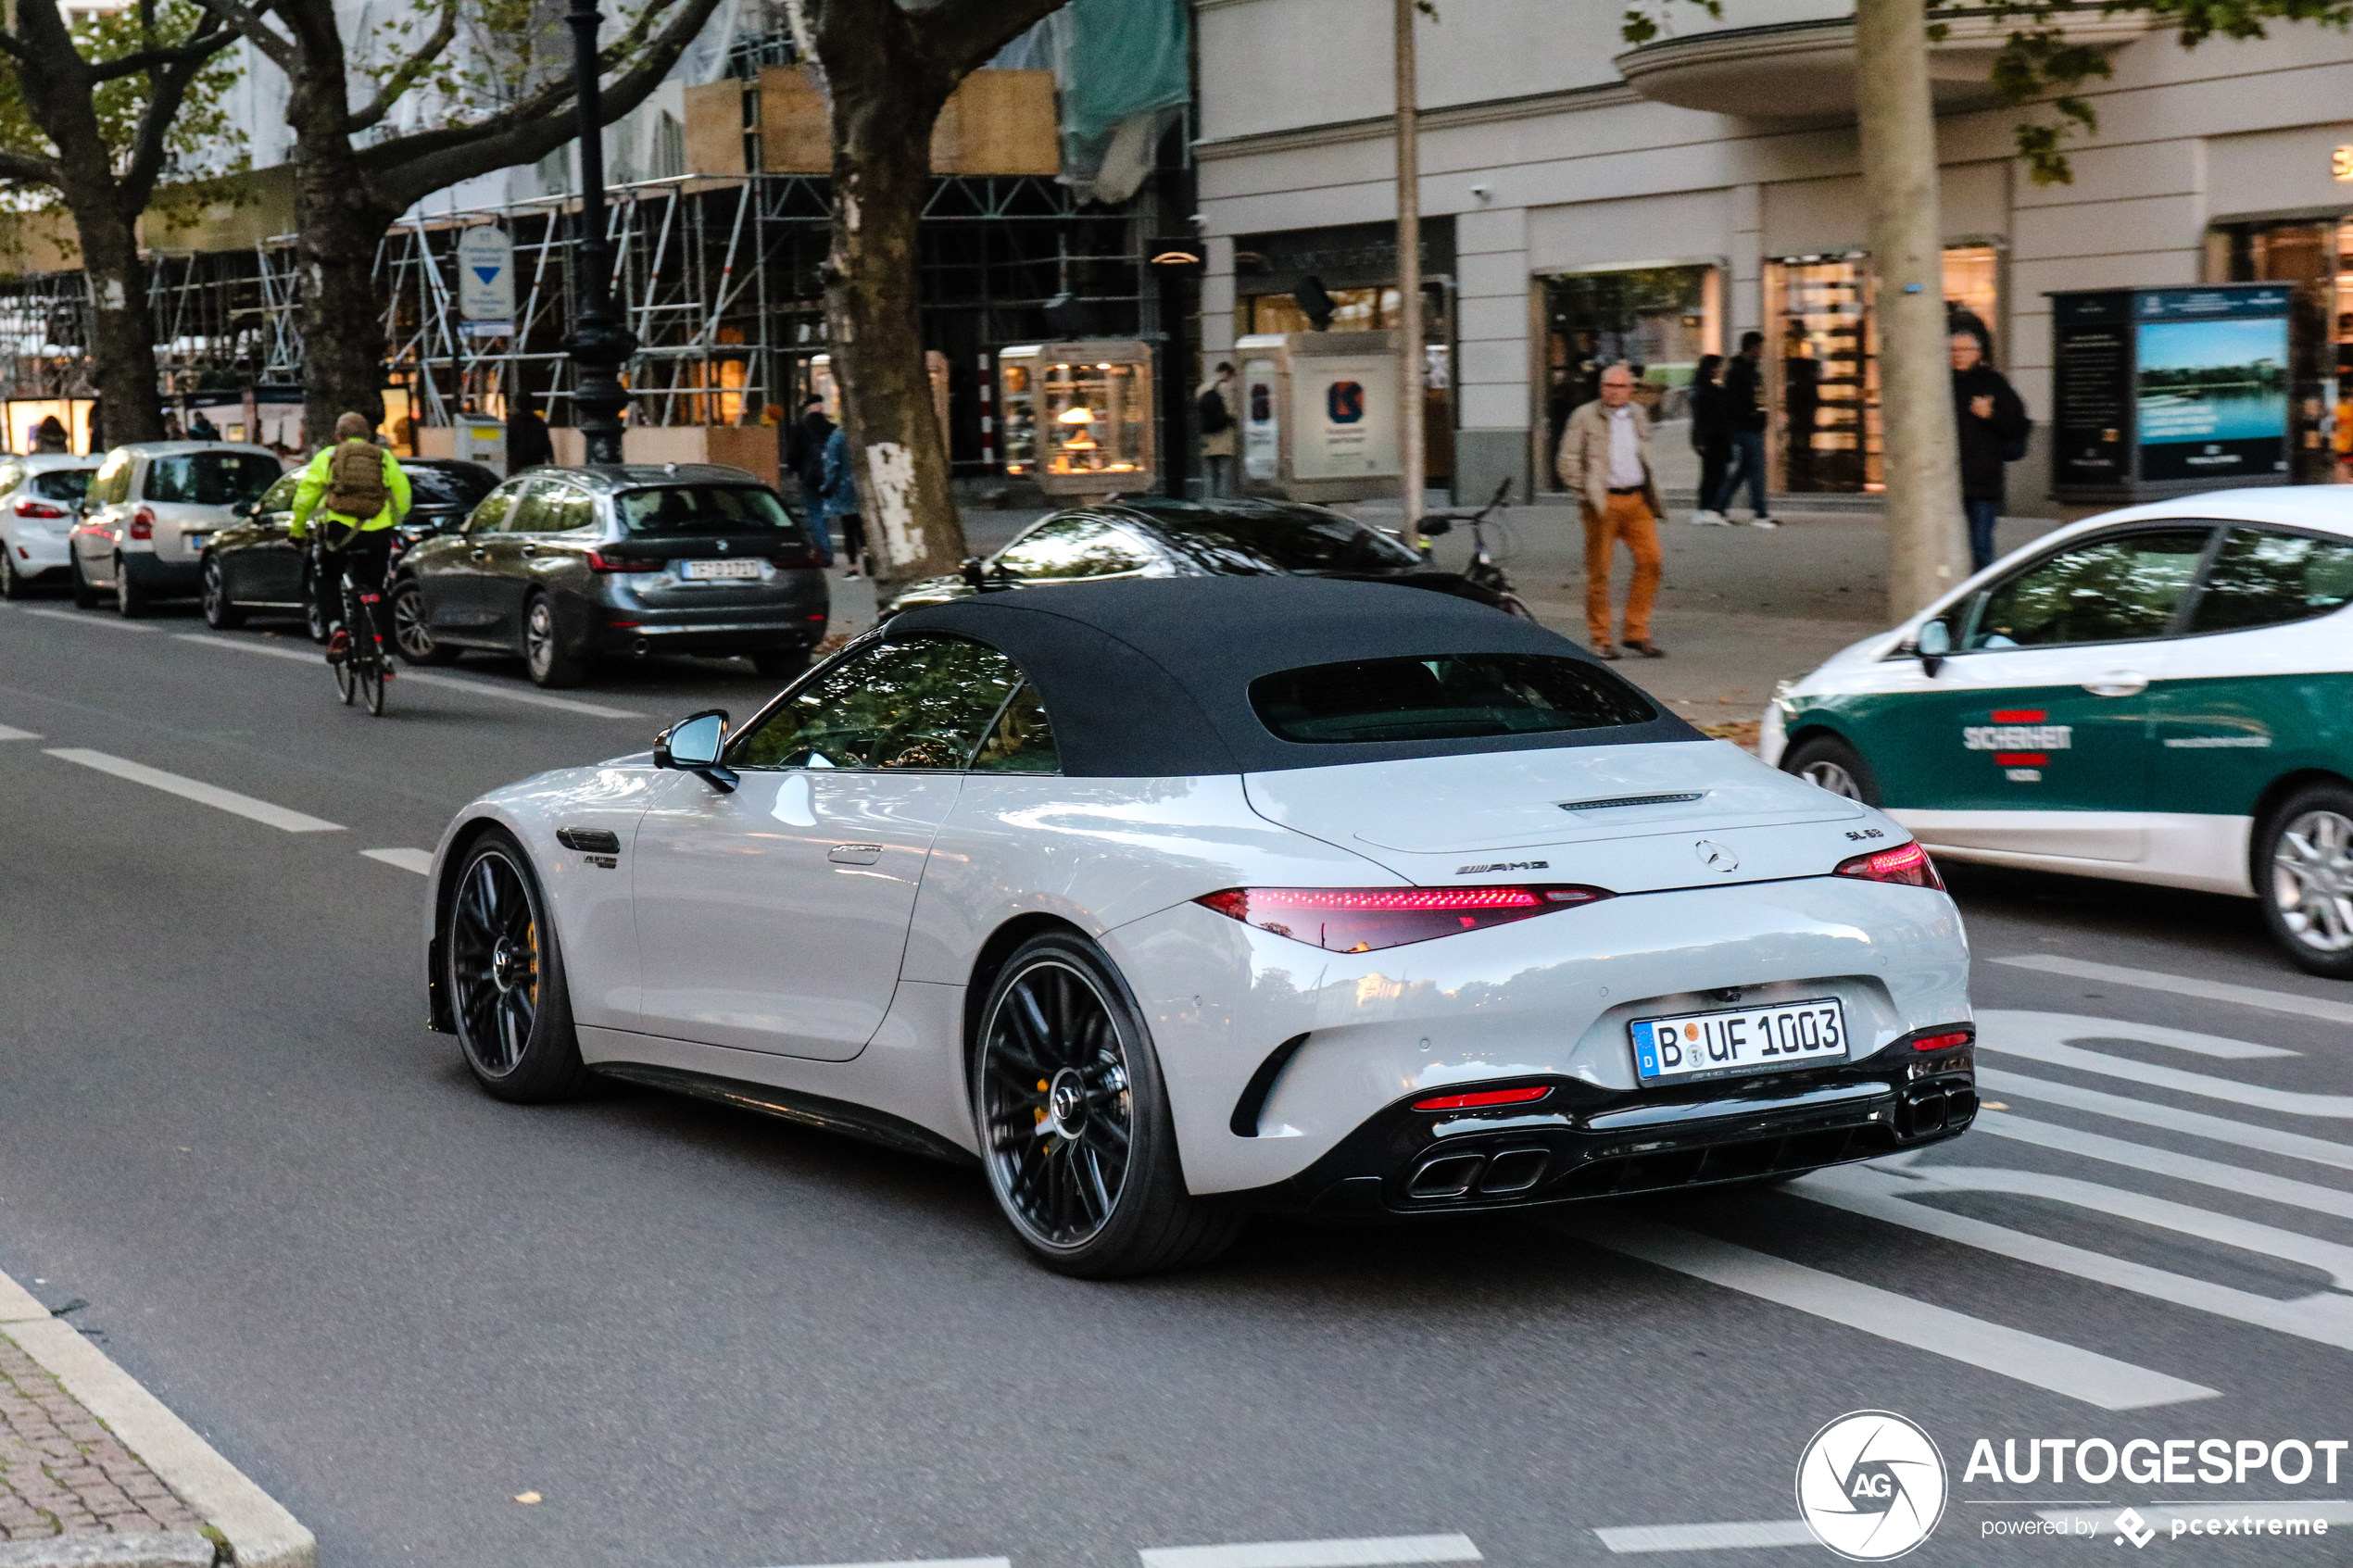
(2211, 384)
(1345, 412)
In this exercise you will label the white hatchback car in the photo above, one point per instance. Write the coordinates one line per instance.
(40, 497)
(152, 508)
(1173, 899)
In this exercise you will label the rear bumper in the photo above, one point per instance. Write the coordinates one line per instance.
(1575, 1144)
(795, 629)
(154, 575)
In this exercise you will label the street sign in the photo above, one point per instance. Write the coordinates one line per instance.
(486, 274)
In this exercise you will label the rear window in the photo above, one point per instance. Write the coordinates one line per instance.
(703, 509)
(211, 479)
(1243, 545)
(1443, 697)
(63, 484)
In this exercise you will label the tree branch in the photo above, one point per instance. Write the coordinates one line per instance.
(411, 71)
(28, 168)
(964, 34)
(168, 88)
(198, 46)
(275, 46)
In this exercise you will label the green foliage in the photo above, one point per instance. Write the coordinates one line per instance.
(201, 133)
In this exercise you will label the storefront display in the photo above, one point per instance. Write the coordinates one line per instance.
(1079, 416)
(2314, 257)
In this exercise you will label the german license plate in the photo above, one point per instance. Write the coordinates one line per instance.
(1759, 1039)
(194, 541)
(708, 570)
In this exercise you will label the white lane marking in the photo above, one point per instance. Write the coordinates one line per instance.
(2056, 1026)
(2222, 1129)
(1364, 1552)
(2166, 1162)
(421, 678)
(418, 861)
(2014, 1353)
(190, 789)
(2185, 985)
(2324, 1317)
(7, 734)
(1706, 1537)
(926, 1562)
(2041, 1044)
(83, 618)
(2161, 1516)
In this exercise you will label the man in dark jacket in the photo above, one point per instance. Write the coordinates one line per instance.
(528, 442)
(1744, 428)
(803, 451)
(1992, 423)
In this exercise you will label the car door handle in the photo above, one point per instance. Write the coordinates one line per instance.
(854, 854)
(2117, 682)
(480, 552)
(531, 550)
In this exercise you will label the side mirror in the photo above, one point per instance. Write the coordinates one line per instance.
(1934, 641)
(693, 745)
(1436, 527)
(972, 573)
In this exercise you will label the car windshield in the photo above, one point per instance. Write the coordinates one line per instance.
(1250, 541)
(1443, 697)
(63, 484)
(211, 479)
(448, 487)
(703, 509)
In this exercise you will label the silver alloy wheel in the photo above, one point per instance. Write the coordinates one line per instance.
(1828, 775)
(408, 623)
(2312, 880)
(539, 635)
(1058, 1111)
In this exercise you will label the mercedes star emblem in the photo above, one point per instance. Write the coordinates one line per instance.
(1715, 857)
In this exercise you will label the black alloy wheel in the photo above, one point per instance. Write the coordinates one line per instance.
(85, 596)
(550, 661)
(507, 996)
(409, 630)
(218, 613)
(1827, 762)
(129, 600)
(1073, 1120)
(2303, 875)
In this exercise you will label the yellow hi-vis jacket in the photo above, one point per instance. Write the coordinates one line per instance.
(314, 482)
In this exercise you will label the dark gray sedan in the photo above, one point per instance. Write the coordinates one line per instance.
(564, 565)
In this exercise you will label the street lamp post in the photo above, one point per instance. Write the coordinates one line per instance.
(599, 344)
(1410, 373)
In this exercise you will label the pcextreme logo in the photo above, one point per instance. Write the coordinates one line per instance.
(1870, 1486)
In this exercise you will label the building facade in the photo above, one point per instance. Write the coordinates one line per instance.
(1593, 202)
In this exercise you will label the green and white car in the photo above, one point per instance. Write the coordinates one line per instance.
(2158, 695)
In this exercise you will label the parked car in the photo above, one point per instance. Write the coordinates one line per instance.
(1154, 536)
(563, 565)
(40, 497)
(153, 508)
(254, 565)
(1161, 902)
(2159, 695)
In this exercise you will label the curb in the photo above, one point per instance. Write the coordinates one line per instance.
(260, 1533)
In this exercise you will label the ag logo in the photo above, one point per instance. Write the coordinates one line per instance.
(1344, 401)
(1870, 1486)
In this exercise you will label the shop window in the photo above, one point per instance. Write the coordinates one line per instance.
(2316, 255)
(1657, 319)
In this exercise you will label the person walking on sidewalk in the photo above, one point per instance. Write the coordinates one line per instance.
(1709, 438)
(1745, 431)
(1992, 423)
(1218, 405)
(838, 489)
(1605, 461)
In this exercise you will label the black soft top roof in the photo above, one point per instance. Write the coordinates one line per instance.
(1151, 679)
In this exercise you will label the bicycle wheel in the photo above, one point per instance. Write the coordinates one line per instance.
(370, 676)
(346, 681)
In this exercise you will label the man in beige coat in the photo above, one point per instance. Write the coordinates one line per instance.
(1605, 461)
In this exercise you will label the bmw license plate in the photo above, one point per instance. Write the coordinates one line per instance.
(1714, 1044)
(707, 571)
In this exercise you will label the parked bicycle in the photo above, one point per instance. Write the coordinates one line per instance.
(1483, 568)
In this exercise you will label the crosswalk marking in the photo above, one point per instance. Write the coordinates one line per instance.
(7, 734)
(203, 794)
(2325, 1317)
(2185, 985)
(418, 861)
(2061, 1026)
(2038, 1036)
(2246, 1134)
(1362, 1553)
(1706, 1537)
(2166, 1162)
(2029, 1357)
(83, 618)
(421, 678)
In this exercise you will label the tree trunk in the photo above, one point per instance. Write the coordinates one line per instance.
(1927, 543)
(340, 224)
(882, 121)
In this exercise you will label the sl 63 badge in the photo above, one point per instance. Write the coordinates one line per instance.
(1860, 834)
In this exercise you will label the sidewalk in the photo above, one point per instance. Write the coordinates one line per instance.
(95, 1473)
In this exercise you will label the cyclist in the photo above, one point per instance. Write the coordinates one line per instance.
(363, 494)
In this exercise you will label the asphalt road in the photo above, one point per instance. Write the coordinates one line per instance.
(707, 1339)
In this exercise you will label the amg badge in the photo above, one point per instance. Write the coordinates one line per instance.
(1504, 866)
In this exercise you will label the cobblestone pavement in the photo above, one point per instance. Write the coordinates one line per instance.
(61, 1473)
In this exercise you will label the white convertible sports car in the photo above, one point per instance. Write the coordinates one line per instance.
(1173, 901)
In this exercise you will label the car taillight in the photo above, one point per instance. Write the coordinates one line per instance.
(1358, 919)
(1942, 1042)
(39, 509)
(143, 524)
(1483, 1097)
(1907, 863)
(599, 562)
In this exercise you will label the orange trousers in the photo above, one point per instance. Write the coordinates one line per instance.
(1628, 517)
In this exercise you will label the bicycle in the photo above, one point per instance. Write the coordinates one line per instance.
(359, 674)
(1483, 568)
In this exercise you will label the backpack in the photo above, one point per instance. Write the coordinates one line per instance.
(2014, 446)
(1216, 417)
(355, 480)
